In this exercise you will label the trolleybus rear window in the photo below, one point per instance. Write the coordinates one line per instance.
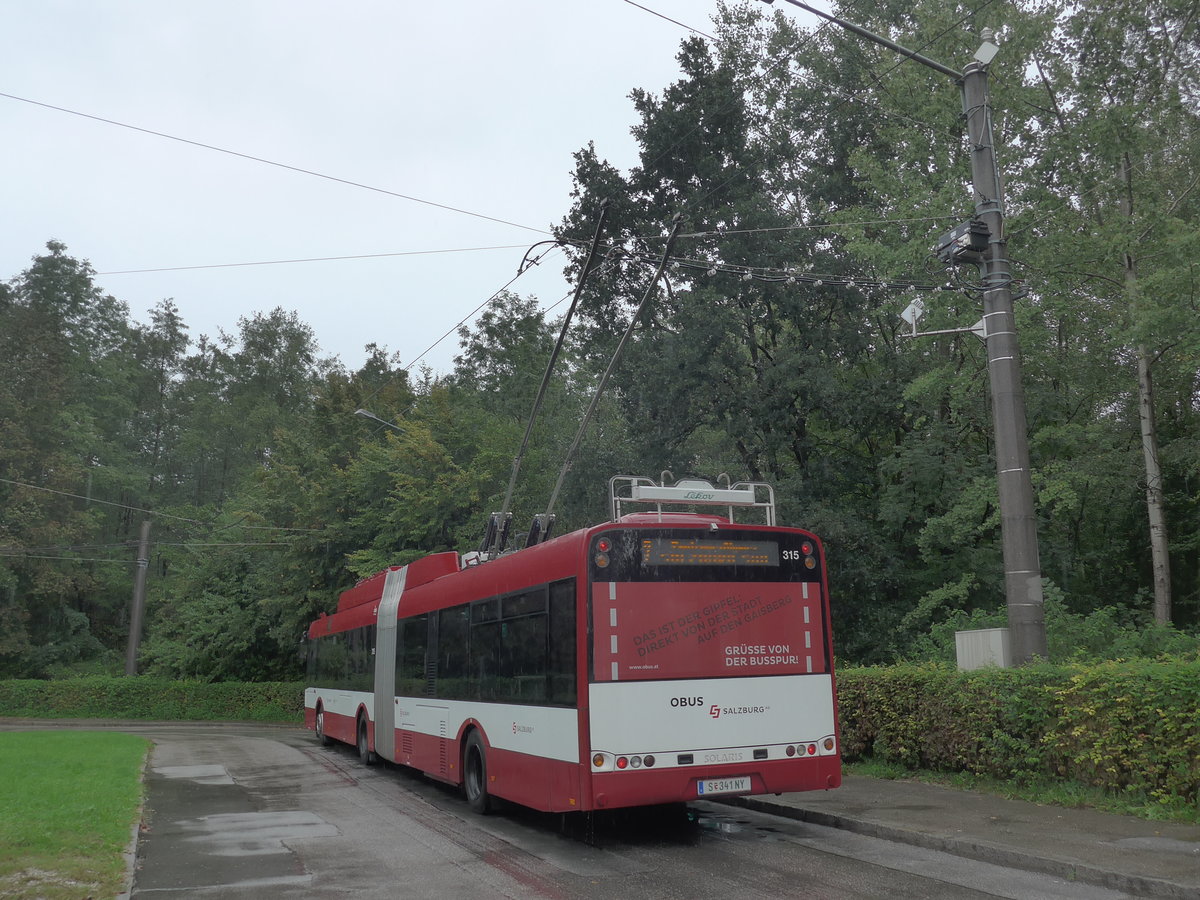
(678, 604)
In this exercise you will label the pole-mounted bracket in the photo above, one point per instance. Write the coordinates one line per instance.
(916, 310)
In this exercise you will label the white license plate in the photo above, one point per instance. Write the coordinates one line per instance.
(707, 786)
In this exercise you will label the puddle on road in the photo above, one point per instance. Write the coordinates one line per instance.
(254, 833)
(669, 827)
(714, 822)
(198, 774)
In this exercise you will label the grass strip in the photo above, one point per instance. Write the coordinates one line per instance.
(70, 801)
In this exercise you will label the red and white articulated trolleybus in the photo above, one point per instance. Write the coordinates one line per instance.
(657, 658)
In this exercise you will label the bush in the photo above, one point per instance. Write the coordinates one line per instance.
(1109, 632)
(1121, 726)
(1131, 726)
(110, 697)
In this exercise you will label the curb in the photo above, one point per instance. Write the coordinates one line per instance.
(130, 856)
(130, 853)
(979, 851)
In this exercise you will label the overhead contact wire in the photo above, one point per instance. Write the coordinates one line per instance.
(270, 162)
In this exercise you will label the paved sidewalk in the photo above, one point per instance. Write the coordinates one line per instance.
(1152, 859)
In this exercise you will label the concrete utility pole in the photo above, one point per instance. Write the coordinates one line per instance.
(1018, 525)
(138, 603)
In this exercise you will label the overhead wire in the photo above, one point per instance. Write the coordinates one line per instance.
(783, 58)
(859, 98)
(343, 181)
(310, 172)
(493, 296)
(123, 562)
(720, 232)
(153, 512)
(679, 140)
(313, 173)
(693, 234)
(270, 162)
(293, 168)
(73, 548)
(130, 544)
(669, 19)
(308, 259)
(875, 105)
(358, 256)
(526, 265)
(791, 275)
(299, 170)
(877, 80)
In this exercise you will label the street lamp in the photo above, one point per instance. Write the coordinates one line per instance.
(1018, 525)
(366, 413)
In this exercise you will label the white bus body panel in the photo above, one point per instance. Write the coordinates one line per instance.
(664, 717)
(340, 703)
(546, 731)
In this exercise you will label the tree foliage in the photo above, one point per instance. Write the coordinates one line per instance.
(812, 172)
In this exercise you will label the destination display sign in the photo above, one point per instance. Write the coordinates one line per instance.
(661, 551)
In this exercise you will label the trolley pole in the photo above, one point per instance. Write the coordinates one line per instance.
(138, 603)
(1018, 524)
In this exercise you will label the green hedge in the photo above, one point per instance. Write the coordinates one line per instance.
(106, 697)
(1121, 726)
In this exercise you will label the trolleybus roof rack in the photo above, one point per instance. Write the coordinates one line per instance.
(625, 489)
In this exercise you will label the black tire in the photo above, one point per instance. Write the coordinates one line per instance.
(365, 754)
(322, 738)
(475, 778)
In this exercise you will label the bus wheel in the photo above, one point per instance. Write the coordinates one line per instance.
(322, 737)
(365, 753)
(475, 775)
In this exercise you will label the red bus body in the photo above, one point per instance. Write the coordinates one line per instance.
(661, 691)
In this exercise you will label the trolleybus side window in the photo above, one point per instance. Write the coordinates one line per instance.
(484, 649)
(329, 661)
(514, 648)
(412, 638)
(360, 674)
(453, 681)
(523, 650)
(310, 661)
(562, 643)
(344, 660)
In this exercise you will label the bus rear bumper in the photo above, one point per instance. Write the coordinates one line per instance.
(647, 787)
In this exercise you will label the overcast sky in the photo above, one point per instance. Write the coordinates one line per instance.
(476, 105)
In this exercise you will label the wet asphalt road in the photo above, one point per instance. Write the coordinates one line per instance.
(262, 812)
